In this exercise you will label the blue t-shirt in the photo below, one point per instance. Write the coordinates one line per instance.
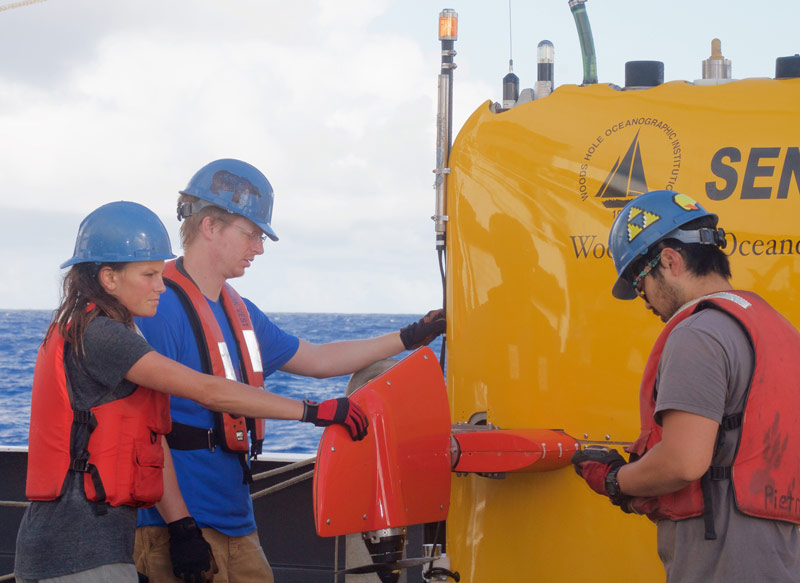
(210, 482)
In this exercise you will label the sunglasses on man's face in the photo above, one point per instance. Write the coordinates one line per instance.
(637, 282)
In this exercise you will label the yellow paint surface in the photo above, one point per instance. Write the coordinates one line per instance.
(535, 338)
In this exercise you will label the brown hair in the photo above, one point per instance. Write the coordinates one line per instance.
(191, 225)
(700, 259)
(80, 289)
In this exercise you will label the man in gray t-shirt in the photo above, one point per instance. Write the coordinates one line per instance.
(697, 384)
(705, 370)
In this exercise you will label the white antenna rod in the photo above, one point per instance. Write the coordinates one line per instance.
(510, 43)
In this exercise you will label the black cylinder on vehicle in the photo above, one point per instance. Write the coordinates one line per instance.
(787, 67)
(510, 90)
(644, 73)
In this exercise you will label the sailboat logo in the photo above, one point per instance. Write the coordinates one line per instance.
(626, 179)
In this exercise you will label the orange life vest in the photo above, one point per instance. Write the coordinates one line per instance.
(123, 459)
(232, 431)
(766, 467)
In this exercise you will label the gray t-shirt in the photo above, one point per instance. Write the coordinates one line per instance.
(66, 536)
(705, 369)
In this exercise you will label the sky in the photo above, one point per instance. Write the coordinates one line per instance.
(333, 100)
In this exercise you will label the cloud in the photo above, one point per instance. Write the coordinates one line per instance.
(334, 101)
(338, 116)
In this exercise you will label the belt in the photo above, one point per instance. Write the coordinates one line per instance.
(185, 437)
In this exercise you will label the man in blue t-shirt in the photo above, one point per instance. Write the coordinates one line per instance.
(227, 207)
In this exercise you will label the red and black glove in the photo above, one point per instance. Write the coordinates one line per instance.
(424, 331)
(640, 505)
(191, 556)
(593, 464)
(341, 411)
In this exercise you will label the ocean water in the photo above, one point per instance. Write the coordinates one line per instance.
(21, 332)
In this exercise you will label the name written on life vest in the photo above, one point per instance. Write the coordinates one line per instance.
(774, 500)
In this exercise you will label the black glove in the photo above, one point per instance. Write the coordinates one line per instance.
(424, 331)
(593, 464)
(341, 411)
(191, 556)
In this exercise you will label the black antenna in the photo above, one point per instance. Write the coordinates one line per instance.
(510, 81)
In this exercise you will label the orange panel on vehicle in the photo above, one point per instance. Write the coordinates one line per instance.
(513, 450)
(400, 473)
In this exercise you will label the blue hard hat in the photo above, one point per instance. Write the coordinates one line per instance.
(235, 186)
(120, 232)
(648, 219)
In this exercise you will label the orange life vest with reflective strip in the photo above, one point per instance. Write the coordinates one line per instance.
(214, 353)
(766, 467)
(123, 459)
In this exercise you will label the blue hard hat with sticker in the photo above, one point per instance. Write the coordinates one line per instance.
(648, 219)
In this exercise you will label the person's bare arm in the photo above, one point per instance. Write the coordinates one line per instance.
(682, 456)
(334, 359)
(340, 358)
(171, 507)
(216, 393)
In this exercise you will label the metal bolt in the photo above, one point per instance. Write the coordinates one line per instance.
(389, 383)
(364, 517)
(425, 356)
(586, 436)
(608, 437)
(333, 448)
(328, 521)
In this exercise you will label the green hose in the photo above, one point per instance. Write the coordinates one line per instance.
(578, 9)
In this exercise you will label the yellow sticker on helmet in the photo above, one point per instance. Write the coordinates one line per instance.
(639, 220)
(687, 203)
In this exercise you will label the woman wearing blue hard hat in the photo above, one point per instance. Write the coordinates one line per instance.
(100, 406)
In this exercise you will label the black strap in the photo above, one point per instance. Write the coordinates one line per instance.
(84, 417)
(247, 475)
(79, 459)
(717, 473)
(101, 506)
(187, 437)
(708, 511)
(80, 462)
(256, 445)
(714, 474)
(79, 441)
(732, 421)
